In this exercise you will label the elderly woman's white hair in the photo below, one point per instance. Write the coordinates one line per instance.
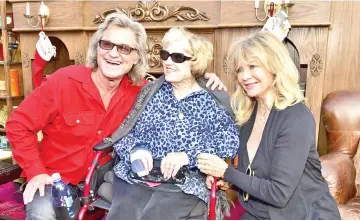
(139, 70)
(200, 49)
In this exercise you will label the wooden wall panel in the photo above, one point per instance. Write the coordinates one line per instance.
(343, 62)
(342, 70)
(63, 15)
(303, 13)
(79, 15)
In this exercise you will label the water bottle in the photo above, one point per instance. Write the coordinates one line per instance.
(61, 195)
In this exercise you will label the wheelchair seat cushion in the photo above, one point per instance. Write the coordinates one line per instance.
(106, 191)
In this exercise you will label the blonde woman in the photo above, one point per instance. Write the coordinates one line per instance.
(175, 118)
(279, 172)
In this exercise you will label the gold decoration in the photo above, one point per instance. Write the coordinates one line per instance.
(149, 77)
(154, 48)
(147, 11)
(79, 58)
(316, 65)
(26, 59)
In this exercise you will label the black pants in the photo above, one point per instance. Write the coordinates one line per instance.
(134, 201)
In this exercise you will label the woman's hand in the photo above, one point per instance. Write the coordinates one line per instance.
(171, 164)
(220, 183)
(211, 165)
(214, 81)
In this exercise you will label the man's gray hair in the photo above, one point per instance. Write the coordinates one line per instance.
(139, 70)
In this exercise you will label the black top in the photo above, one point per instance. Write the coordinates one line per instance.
(288, 183)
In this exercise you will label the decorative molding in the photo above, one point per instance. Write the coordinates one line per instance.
(154, 47)
(225, 63)
(152, 11)
(316, 65)
(26, 59)
(79, 58)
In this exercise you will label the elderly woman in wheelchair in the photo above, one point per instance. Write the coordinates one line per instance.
(174, 119)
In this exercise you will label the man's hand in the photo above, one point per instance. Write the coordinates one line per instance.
(220, 183)
(36, 183)
(171, 164)
(211, 165)
(214, 81)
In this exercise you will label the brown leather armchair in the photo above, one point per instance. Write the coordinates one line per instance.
(341, 166)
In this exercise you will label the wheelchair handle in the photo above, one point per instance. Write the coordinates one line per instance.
(212, 206)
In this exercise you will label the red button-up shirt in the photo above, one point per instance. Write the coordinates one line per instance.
(67, 107)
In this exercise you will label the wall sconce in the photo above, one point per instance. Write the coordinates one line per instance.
(43, 15)
(272, 8)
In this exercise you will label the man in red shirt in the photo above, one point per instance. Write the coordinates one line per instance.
(76, 107)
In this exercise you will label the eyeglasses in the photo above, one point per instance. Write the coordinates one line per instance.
(175, 57)
(249, 172)
(121, 48)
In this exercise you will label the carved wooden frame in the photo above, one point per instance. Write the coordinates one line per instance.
(153, 11)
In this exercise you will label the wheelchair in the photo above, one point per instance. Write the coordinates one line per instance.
(95, 178)
(92, 205)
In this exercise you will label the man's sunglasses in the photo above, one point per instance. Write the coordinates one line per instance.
(121, 48)
(175, 57)
(249, 172)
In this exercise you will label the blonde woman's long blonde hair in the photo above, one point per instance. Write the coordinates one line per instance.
(267, 51)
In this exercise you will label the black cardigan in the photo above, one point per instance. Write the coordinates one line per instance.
(288, 183)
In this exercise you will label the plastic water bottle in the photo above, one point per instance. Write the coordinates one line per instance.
(61, 195)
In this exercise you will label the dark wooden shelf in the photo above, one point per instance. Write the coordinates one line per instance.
(11, 97)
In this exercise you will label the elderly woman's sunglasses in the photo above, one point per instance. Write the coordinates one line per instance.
(175, 57)
(249, 172)
(121, 48)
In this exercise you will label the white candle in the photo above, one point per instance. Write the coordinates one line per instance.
(257, 3)
(27, 9)
(42, 8)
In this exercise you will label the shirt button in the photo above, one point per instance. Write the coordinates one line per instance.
(77, 121)
(99, 132)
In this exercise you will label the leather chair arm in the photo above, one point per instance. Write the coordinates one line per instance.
(339, 172)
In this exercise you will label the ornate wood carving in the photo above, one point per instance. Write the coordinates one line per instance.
(147, 11)
(26, 59)
(79, 58)
(316, 65)
(225, 64)
(154, 48)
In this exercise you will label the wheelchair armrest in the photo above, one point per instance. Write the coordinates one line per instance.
(104, 146)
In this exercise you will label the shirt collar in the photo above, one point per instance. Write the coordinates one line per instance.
(168, 87)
